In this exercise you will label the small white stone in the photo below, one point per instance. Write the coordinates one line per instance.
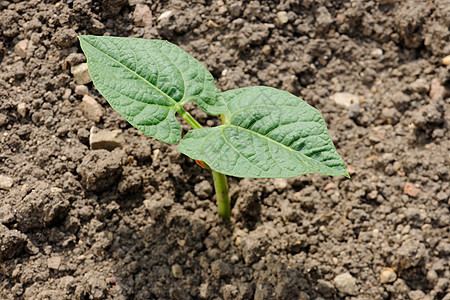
(5, 182)
(81, 90)
(376, 233)
(164, 15)
(204, 290)
(155, 155)
(81, 74)
(91, 109)
(22, 109)
(234, 258)
(105, 139)
(387, 275)
(280, 184)
(377, 52)
(346, 283)
(345, 99)
(67, 93)
(282, 18)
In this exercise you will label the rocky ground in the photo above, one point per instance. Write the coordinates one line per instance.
(92, 209)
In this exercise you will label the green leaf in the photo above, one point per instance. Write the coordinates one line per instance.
(267, 133)
(147, 81)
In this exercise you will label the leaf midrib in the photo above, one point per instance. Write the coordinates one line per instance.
(277, 143)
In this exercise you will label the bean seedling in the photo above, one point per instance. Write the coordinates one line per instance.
(265, 132)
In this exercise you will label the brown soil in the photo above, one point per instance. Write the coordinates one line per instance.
(139, 222)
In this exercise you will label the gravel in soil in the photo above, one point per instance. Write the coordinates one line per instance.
(92, 209)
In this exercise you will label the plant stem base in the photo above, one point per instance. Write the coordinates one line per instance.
(223, 199)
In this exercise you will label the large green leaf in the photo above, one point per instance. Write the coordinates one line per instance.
(147, 81)
(267, 133)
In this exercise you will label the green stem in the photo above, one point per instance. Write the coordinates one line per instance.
(220, 180)
(223, 200)
(187, 116)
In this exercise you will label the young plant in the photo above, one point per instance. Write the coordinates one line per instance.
(265, 132)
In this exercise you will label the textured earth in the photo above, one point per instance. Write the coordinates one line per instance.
(92, 209)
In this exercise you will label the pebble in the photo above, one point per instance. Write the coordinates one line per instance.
(204, 291)
(372, 195)
(21, 48)
(420, 86)
(54, 262)
(387, 275)
(266, 50)
(177, 272)
(6, 182)
(22, 109)
(432, 277)
(281, 19)
(166, 14)
(142, 15)
(67, 93)
(80, 73)
(105, 139)
(377, 52)
(81, 90)
(280, 184)
(222, 10)
(155, 155)
(91, 109)
(345, 99)
(416, 295)
(346, 284)
(446, 60)
(330, 186)
(234, 258)
(212, 24)
(436, 89)
(410, 190)
(376, 233)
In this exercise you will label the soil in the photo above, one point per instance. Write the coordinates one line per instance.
(139, 221)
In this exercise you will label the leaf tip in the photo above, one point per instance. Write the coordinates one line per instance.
(81, 37)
